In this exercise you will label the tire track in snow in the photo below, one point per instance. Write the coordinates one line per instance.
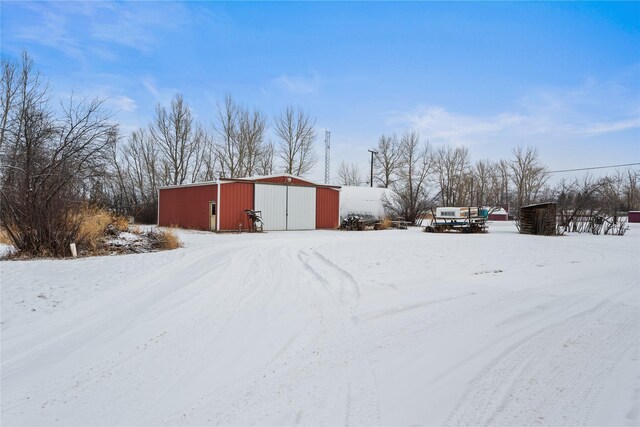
(111, 369)
(339, 285)
(254, 282)
(256, 386)
(306, 362)
(551, 372)
(361, 395)
(130, 302)
(355, 288)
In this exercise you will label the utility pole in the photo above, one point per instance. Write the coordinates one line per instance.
(372, 153)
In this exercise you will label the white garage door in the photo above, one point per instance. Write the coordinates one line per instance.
(272, 201)
(302, 208)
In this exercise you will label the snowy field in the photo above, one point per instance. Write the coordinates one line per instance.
(329, 328)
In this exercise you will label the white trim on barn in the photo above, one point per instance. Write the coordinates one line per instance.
(218, 211)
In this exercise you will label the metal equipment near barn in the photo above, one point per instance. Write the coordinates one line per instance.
(462, 220)
(539, 219)
(353, 223)
(361, 223)
(256, 220)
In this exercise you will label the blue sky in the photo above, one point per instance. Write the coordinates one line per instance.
(563, 77)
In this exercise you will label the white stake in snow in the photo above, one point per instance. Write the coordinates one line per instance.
(74, 252)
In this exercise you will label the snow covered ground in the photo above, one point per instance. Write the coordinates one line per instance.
(329, 328)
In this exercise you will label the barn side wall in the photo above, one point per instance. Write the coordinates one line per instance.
(634, 216)
(235, 197)
(186, 207)
(327, 208)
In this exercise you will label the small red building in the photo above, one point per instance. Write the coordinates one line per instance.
(287, 202)
(499, 215)
(634, 216)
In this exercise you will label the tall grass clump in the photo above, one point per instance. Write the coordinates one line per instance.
(164, 239)
(93, 225)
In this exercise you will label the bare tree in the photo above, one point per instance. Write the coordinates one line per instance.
(297, 134)
(501, 189)
(252, 129)
(452, 167)
(527, 175)
(49, 164)
(23, 89)
(349, 174)
(588, 204)
(9, 85)
(240, 133)
(229, 153)
(389, 158)
(265, 163)
(411, 197)
(177, 140)
(612, 189)
(498, 183)
(632, 190)
(210, 161)
(482, 180)
(136, 167)
(198, 159)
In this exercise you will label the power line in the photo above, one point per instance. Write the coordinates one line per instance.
(595, 167)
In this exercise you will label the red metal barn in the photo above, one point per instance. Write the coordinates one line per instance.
(634, 216)
(499, 215)
(287, 203)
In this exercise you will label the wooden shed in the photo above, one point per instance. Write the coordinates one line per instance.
(538, 219)
(634, 216)
(286, 202)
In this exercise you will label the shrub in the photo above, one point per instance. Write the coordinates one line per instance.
(4, 237)
(93, 225)
(164, 239)
(385, 224)
(56, 154)
(120, 222)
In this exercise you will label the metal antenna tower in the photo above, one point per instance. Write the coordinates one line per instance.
(327, 156)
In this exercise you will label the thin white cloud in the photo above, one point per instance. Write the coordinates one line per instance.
(438, 123)
(128, 25)
(162, 95)
(67, 26)
(615, 126)
(298, 84)
(122, 103)
(589, 110)
(112, 97)
(50, 30)
(149, 84)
